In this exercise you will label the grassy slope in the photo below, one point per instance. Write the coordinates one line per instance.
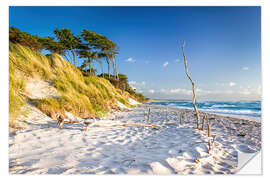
(80, 95)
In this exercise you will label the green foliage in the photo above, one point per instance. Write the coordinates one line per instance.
(122, 83)
(90, 46)
(53, 46)
(86, 72)
(25, 39)
(138, 96)
(67, 38)
(82, 93)
(69, 41)
(93, 40)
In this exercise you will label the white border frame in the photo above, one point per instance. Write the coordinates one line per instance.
(4, 64)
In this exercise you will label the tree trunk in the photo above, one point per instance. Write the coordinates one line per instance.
(108, 62)
(74, 58)
(114, 68)
(113, 65)
(193, 88)
(116, 71)
(90, 66)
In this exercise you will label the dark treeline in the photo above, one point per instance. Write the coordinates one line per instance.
(89, 46)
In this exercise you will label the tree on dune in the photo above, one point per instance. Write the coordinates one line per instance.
(53, 46)
(101, 55)
(69, 41)
(90, 57)
(109, 48)
(91, 47)
(18, 37)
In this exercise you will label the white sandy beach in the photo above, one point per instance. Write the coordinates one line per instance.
(134, 89)
(116, 145)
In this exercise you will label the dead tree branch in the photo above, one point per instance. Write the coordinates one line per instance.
(193, 88)
(149, 113)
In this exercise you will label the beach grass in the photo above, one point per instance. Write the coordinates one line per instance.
(84, 96)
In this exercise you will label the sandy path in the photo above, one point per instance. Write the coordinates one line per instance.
(107, 148)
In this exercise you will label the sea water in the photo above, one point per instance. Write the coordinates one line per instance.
(243, 108)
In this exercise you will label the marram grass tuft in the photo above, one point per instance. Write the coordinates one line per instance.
(84, 96)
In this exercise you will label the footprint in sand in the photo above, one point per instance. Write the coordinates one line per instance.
(245, 149)
(100, 143)
(31, 162)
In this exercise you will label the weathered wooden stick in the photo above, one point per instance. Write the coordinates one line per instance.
(144, 113)
(208, 126)
(204, 118)
(61, 121)
(167, 114)
(137, 124)
(184, 116)
(149, 112)
(209, 146)
(180, 119)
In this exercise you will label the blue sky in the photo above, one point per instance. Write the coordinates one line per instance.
(223, 45)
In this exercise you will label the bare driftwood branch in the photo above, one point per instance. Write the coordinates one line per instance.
(203, 120)
(149, 112)
(61, 121)
(138, 125)
(180, 118)
(144, 114)
(208, 127)
(193, 87)
(167, 114)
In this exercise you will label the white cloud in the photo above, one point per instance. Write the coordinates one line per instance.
(245, 92)
(231, 84)
(139, 86)
(177, 60)
(176, 91)
(245, 68)
(163, 90)
(220, 84)
(130, 60)
(132, 82)
(152, 91)
(181, 93)
(143, 83)
(165, 64)
(188, 92)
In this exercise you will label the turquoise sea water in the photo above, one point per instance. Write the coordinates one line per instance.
(244, 108)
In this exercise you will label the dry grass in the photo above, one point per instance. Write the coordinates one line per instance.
(83, 96)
